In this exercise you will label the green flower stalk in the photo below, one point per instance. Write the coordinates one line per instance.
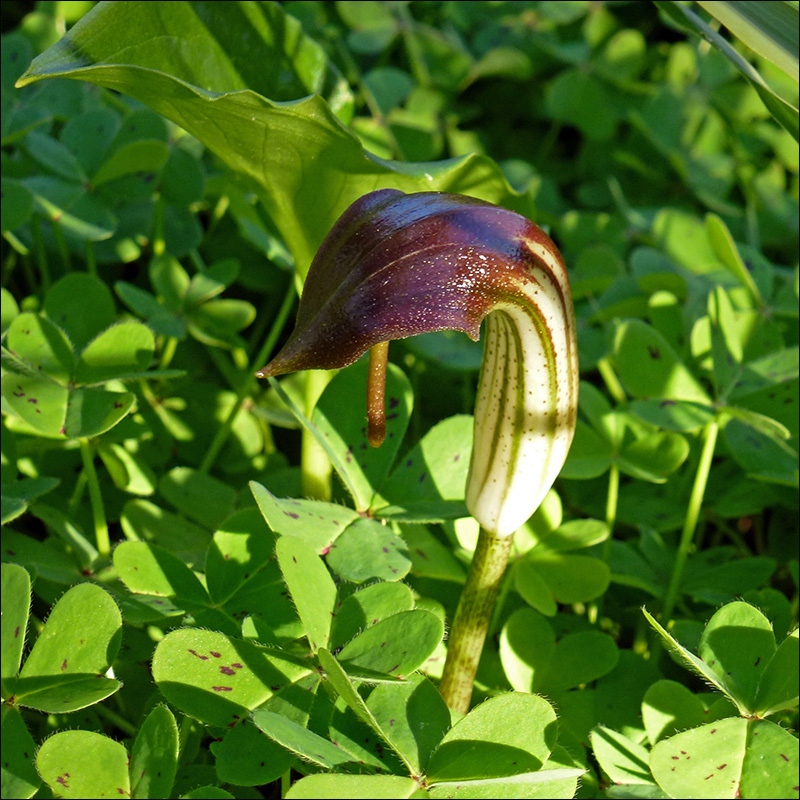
(396, 265)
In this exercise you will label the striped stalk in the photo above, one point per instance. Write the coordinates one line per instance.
(525, 411)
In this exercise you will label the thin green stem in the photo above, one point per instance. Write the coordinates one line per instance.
(231, 374)
(692, 515)
(612, 500)
(77, 492)
(275, 331)
(223, 433)
(217, 213)
(116, 719)
(246, 387)
(472, 619)
(416, 58)
(61, 246)
(354, 77)
(286, 782)
(91, 258)
(729, 530)
(315, 466)
(151, 407)
(611, 380)
(16, 245)
(547, 143)
(41, 253)
(633, 217)
(197, 260)
(168, 352)
(96, 499)
(262, 326)
(159, 245)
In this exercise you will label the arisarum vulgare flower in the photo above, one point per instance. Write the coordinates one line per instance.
(395, 265)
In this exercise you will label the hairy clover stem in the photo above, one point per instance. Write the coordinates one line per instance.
(709, 438)
(96, 499)
(472, 618)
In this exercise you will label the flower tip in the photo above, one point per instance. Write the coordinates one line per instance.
(376, 432)
(271, 369)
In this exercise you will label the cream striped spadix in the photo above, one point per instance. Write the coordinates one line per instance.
(395, 265)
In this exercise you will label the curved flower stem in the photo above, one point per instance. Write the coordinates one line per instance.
(692, 515)
(472, 619)
(96, 499)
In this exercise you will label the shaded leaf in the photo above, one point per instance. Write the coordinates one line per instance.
(154, 758)
(367, 550)
(218, 679)
(311, 587)
(393, 647)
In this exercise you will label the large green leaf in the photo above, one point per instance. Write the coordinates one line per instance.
(769, 28)
(214, 80)
(784, 112)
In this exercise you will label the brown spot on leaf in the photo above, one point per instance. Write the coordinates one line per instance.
(197, 655)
